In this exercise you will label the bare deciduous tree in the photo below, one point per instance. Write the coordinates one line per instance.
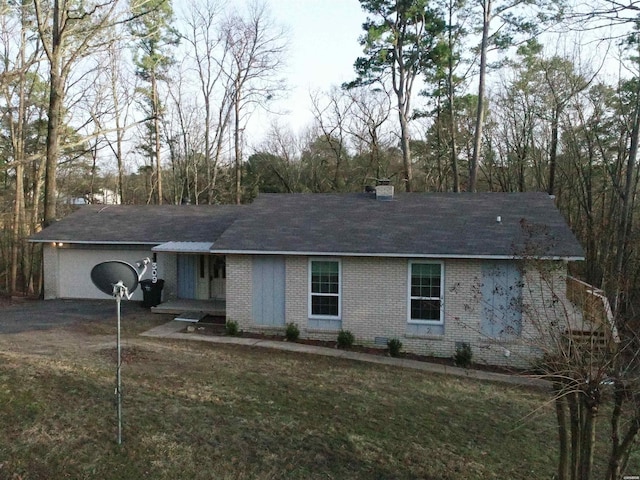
(68, 32)
(206, 42)
(256, 47)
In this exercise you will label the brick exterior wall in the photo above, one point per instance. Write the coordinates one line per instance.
(239, 290)
(296, 304)
(375, 306)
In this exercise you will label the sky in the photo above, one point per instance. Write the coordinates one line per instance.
(323, 47)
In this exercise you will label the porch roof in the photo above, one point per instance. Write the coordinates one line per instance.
(183, 247)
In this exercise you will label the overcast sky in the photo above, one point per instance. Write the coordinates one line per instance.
(323, 46)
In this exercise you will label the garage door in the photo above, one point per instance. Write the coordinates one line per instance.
(74, 270)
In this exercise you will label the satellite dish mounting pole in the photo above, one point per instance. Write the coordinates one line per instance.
(119, 291)
(118, 279)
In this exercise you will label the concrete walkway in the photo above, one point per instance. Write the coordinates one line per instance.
(174, 329)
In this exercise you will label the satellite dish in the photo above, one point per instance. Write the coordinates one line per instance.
(119, 280)
(107, 274)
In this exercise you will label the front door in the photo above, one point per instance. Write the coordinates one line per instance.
(187, 275)
(203, 280)
(201, 276)
(218, 275)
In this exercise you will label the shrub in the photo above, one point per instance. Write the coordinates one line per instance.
(395, 345)
(463, 355)
(345, 339)
(292, 332)
(231, 327)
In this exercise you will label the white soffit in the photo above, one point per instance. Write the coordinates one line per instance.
(183, 247)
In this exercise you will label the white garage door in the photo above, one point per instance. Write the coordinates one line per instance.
(74, 280)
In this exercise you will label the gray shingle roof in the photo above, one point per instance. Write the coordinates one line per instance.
(416, 224)
(148, 224)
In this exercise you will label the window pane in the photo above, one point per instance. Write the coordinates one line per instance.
(325, 277)
(324, 305)
(425, 269)
(425, 310)
(425, 291)
(328, 267)
(325, 288)
(425, 280)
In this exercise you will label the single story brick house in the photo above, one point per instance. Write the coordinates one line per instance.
(433, 270)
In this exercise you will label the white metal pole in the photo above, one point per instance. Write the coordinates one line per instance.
(118, 377)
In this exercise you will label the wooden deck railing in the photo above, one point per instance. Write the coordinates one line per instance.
(594, 305)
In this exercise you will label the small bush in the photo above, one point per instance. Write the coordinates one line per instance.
(463, 355)
(231, 327)
(395, 345)
(345, 339)
(292, 332)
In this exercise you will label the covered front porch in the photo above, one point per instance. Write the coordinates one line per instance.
(198, 279)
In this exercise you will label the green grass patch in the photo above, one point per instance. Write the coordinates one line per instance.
(202, 411)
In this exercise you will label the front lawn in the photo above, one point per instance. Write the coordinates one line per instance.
(195, 410)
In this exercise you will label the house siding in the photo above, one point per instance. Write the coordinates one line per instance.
(375, 307)
(68, 268)
(50, 268)
(168, 271)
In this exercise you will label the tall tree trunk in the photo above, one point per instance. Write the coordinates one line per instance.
(237, 149)
(56, 93)
(18, 145)
(119, 140)
(624, 223)
(553, 154)
(36, 187)
(477, 136)
(402, 89)
(563, 434)
(18, 228)
(453, 149)
(208, 148)
(122, 197)
(156, 135)
(405, 142)
(118, 125)
(575, 422)
(588, 442)
(613, 468)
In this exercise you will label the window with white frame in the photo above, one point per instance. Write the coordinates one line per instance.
(324, 288)
(425, 292)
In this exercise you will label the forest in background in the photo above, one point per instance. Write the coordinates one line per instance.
(142, 102)
(145, 102)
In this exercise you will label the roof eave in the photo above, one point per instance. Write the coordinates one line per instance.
(569, 258)
(90, 242)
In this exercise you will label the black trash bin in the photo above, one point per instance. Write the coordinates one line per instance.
(151, 292)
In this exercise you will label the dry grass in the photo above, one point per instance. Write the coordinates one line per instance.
(205, 411)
